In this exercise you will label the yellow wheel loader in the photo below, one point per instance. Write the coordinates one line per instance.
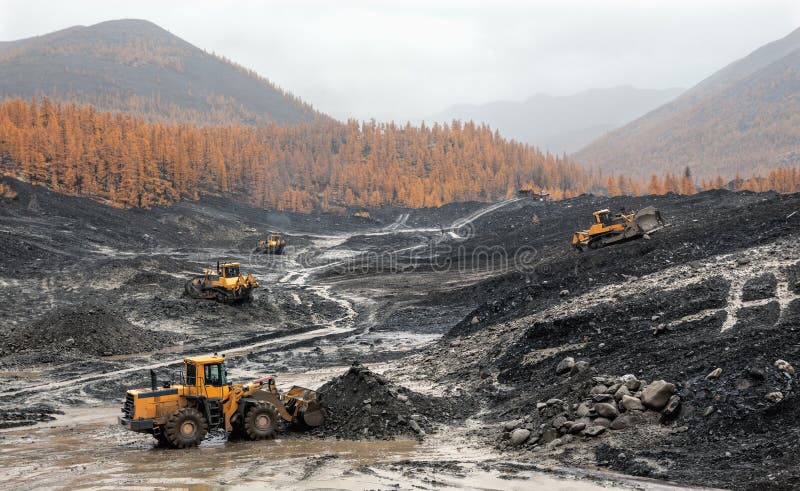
(612, 229)
(180, 415)
(227, 285)
(273, 243)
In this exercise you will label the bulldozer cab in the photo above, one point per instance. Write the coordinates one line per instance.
(206, 376)
(602, 217)
(229, 270)
(606, 219)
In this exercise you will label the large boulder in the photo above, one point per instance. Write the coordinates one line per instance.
(594, 430)
(656, 395)
(520, 436)
(606, 410)
(672, 406)
(565, 365)
(631, 403)
(620, 423)
(631, 382)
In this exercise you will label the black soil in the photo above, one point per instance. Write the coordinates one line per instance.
(86, 329)
(728, 432)
(88, 275)
(365, 404)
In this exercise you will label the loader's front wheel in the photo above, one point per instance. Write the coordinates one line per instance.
(186, 428)
(261, 421)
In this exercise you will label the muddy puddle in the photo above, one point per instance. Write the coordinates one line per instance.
(85, 449)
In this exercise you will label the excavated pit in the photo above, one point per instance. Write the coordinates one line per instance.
(715, 289)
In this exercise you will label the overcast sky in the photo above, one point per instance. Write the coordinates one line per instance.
(407, 59)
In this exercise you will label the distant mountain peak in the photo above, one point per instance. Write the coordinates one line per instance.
(136, 66)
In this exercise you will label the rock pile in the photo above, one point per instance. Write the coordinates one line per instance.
(610, 403)
(87, 329)
(27, 416)
(365, 404)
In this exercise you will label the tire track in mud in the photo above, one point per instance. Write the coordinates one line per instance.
(729, 267)
(454, 231)
(295, 277)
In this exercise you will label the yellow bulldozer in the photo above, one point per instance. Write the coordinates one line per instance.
(227, 285)
(180, 415)
(610, 229)
(272, 243)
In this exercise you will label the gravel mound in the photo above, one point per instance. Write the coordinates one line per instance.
(88, 329)
(364, 404)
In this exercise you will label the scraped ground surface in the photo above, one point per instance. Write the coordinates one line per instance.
(465, 310)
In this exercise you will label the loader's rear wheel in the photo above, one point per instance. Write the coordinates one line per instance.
(261, 421)
(186, 428)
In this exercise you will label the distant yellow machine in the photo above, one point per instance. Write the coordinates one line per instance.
(273, 243)
(181, 415)
(226, 285)
(611, 229)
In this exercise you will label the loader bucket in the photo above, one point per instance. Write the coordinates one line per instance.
(313, 415)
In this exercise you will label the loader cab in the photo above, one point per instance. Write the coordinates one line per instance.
(206, 376)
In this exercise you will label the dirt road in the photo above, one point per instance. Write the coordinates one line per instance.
(470, 300)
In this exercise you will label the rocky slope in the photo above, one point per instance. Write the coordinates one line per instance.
(705, 316)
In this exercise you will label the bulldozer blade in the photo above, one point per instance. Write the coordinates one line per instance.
(644, 223)
(647, 220)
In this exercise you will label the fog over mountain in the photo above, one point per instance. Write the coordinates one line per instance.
(412, 59)
(743, 118)
(563, 124)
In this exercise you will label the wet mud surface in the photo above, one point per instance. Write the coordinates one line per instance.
(459, 316)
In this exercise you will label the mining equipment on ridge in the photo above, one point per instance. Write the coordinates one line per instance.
(611, 229)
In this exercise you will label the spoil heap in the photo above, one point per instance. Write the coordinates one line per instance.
(87, 329)
(362, 403)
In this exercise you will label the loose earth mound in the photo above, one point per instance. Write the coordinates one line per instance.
(362, 403)
(87, 329)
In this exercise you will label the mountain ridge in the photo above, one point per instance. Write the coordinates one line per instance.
(741, 119)
(136, 66)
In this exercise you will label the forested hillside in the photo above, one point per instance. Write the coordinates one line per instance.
(743, 119)
(128, 161)
(137, 67)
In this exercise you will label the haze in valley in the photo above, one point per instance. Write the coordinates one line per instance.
(412, 60)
